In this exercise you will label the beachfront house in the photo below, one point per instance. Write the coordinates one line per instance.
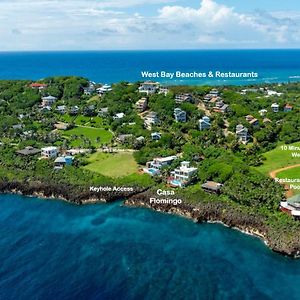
(204, 123)
(291, 206)
(155, 136)
(48, 101)
(275, 107)
(49, 152)
(149, 87)
(180, 115)
(183, 175)
(153, 167)
(141, 105)
(288, 108)
(151, 119)
(212, 187)
(181, 98)
(242, 133)
(62, 161)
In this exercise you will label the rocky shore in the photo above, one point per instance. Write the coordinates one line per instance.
(74, 194)
(213, 212)
(233, 217)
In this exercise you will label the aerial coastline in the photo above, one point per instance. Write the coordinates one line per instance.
(196, 151)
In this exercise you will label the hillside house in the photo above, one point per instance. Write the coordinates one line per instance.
(163, 90)
(153, 167)
(28, 151)
(62, 161)
(62, 109)
(291, 206)
(119, 116)
(212, 187)
(148, 87)
(141, 105)
(49, 152)
(204, 123)
(48, 101)
(275, 107)
(151, 119)
(242, 133)
(180, 115)
(155, 136)
(288, 108)
(125, 138)
(263, 112)
(183, 175)
(181, 98)
(38, 86)
(74, 110)
(104, 89)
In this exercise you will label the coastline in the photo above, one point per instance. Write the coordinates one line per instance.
(206, 212)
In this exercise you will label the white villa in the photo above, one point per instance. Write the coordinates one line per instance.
(204, 123)
(104, 89)
(141, 105)
(48, 101)
(149, 87)
(180, 115)
(151, 119)
(183, 175)
(242, 133)
(118, 116)
(153, 167)
(275, 107)
(49, 152)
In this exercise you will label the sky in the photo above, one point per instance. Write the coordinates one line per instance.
(29, 25)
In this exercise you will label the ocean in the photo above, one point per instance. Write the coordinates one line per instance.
(272, 66)
(54, 250)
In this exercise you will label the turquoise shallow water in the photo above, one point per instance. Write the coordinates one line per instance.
(54, 250)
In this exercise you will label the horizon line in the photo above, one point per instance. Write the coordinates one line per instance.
(148, 50)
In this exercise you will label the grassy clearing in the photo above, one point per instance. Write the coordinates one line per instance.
(112, 165)
(97, 136)
(291, 174)
(278, 158)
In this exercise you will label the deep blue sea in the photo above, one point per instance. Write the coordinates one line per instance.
(113, 66)
(54, 250)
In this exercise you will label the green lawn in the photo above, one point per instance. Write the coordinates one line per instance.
(291, 174)
(112, 165)
(278, 158)
(76, 135)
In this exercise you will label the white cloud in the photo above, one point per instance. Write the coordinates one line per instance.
(92, 24)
